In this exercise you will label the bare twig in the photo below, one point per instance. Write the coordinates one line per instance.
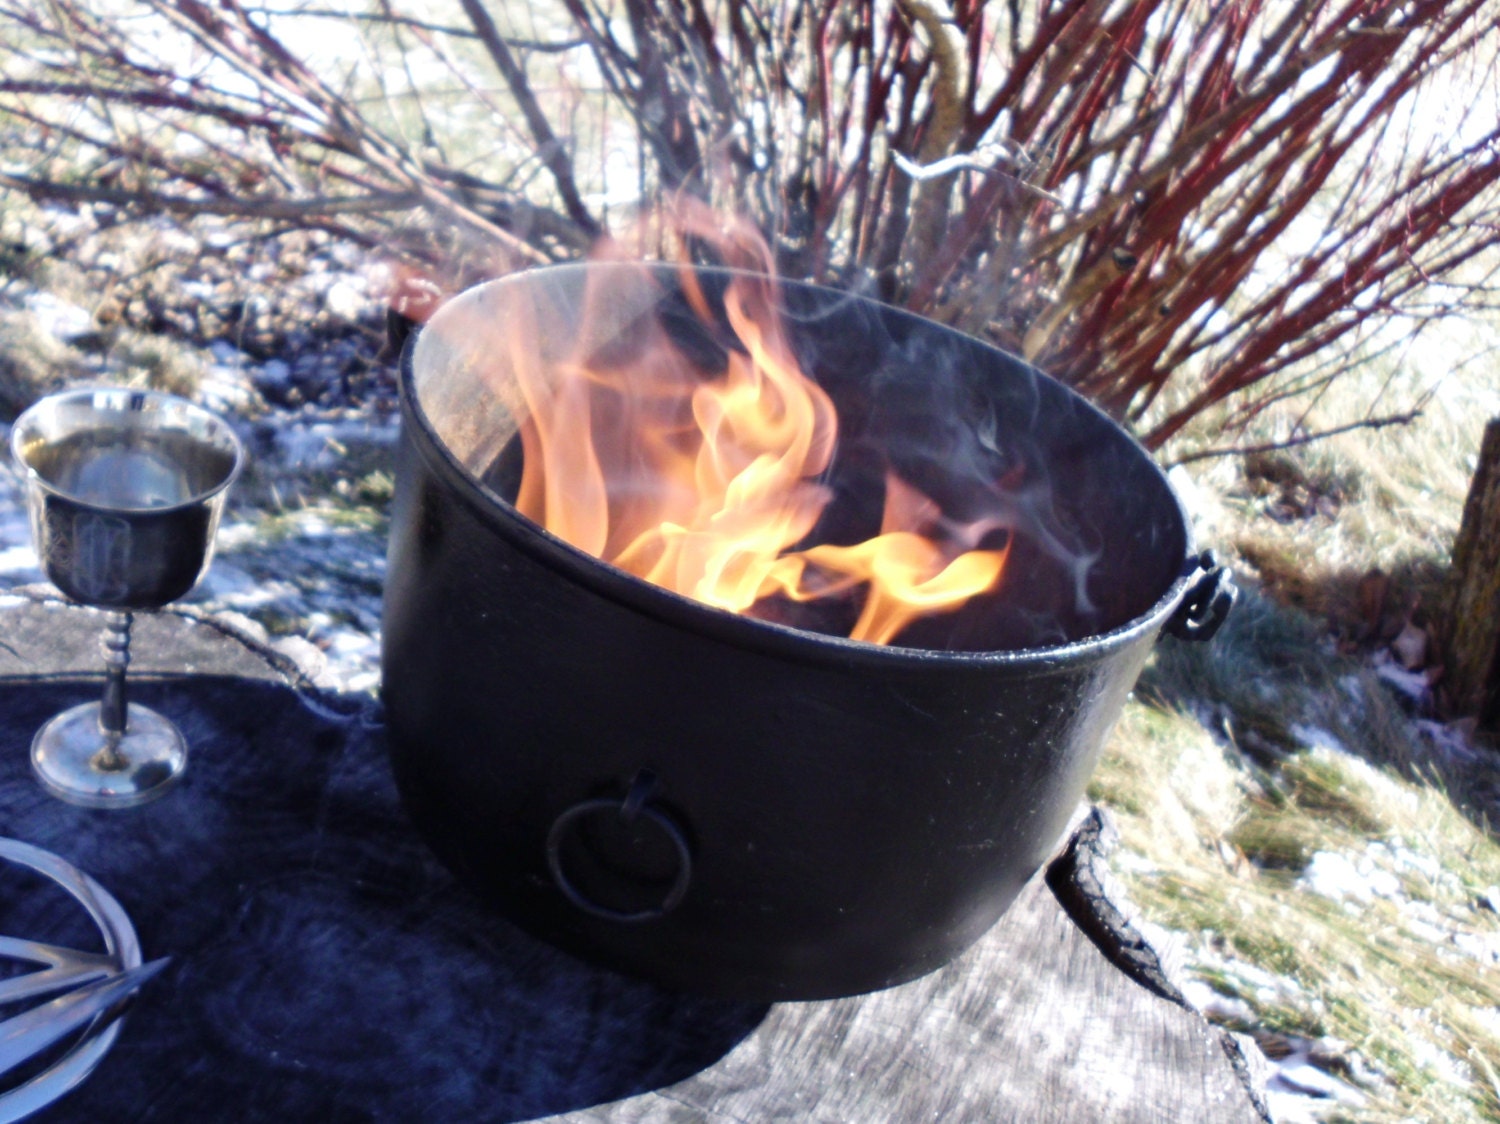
(246, 206)
(1405, 418)
(390, 19)
(549, 147)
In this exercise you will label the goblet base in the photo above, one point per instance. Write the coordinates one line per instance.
(70, 757)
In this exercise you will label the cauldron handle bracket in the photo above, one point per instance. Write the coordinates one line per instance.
(636, 805)
(1207, 602)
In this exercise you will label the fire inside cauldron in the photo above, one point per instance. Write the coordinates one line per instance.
(757, 639)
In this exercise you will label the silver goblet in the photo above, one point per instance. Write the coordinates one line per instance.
(124, 489)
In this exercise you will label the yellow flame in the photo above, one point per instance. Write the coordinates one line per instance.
(703, 485)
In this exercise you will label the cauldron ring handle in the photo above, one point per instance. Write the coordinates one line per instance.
(634, 805)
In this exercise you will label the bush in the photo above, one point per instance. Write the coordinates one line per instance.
(1166, 203)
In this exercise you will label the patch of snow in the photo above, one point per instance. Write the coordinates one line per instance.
(235, 534)
(1432, 934)
(243, 597)
(1267, 987)
(347, 641)
(61, 319)
(1489, 1016)
(1449, 741)
(1217, 1006)
(1299, 1089)
(346, 299)
(1412, 684)
(1132, 863)
(226, 580)
(1291, 1108)
(226, 389)
(67, 222)
(309, 447)
(363, 681)
(225, 352)
(307, 656)
(1412, 862)
(323, 444)
(1307, 1080)
(1383, 884)
(196, 290)
(1290, 1084)
(1315, 737)
(1437, 1060)
(1484, 947)
(20, 562)
(246, 626)
(1338, 878)
(273, 374)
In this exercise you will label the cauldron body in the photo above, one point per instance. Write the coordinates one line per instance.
(726, 805)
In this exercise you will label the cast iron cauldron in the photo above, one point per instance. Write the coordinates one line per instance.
(732, 806)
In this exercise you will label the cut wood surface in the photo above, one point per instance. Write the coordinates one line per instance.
(326, 968)
(1033, 1024)
(1472, 616)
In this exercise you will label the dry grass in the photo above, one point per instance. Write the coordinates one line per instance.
(1241, 764)
(1219, 845)
(1311, 523)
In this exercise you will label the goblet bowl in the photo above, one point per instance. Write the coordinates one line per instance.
(125, 490)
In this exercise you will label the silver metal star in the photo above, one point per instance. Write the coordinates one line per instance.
(88, 988)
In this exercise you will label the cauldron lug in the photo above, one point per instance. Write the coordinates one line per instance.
(1207, 602)
(641, 788)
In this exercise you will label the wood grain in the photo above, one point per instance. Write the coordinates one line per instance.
(326, 968)
(1032, 1024)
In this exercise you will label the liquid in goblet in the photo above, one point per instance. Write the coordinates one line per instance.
(124, 489)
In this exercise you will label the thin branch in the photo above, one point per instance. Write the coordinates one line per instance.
(152, 99)
(1294, 442)
(392, 20)
(246, 206)
(549, 148)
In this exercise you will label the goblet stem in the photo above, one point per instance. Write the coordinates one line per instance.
(113, 707)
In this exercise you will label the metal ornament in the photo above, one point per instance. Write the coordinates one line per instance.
(87, 989)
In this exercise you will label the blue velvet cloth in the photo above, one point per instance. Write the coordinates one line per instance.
(324, 966)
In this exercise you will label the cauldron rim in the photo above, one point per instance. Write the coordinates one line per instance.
(784, 641)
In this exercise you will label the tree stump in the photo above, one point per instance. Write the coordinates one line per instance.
(1472, 612)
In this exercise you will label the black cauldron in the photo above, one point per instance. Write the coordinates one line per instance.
(735, 806)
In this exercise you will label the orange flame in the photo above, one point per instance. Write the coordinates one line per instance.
(703, 485)
(910, 575)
